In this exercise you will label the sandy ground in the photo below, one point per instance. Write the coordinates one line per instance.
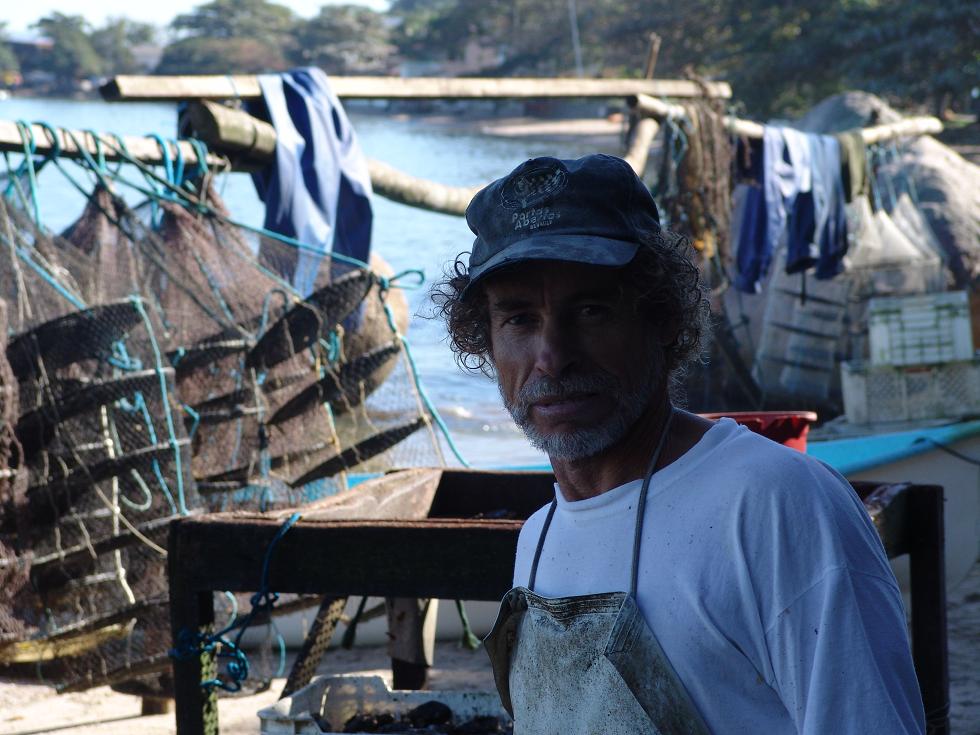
(31, 708)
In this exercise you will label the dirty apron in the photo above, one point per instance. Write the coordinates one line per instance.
(589, 664)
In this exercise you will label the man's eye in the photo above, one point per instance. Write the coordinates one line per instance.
(593, 311)
(517, 320)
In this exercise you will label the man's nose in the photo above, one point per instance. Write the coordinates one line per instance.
(557, 349)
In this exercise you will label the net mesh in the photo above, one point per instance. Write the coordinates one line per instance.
(159, 364)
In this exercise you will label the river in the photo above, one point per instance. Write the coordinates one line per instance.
(406, 237)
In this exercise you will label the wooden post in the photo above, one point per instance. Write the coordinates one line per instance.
(927, 573)
(641, 132)
(411, 640)
(191, 612)
(638, 148)
(652, 55)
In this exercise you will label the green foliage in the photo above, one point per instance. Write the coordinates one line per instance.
(72, 56)
(114, 43)
(779, 57)
(8, 59)
(257, 20)
(344, 39)
(200, 55)
(230, 37)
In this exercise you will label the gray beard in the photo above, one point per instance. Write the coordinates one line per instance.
(588, 440)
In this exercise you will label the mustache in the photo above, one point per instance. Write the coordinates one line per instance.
(556, 389)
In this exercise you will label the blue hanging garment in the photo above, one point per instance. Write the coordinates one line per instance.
(830, 226)
(804, 200)
(318, 190)
(752, 257)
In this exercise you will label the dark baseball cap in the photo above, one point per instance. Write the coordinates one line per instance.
(588, 210)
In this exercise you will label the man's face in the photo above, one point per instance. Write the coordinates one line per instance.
(575, 364)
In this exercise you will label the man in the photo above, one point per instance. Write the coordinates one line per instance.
(690, 576)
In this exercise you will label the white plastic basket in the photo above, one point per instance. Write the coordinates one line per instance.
(920, 330)
(875, 394)
(338, 698)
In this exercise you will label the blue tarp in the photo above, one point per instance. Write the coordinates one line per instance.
(318, 190)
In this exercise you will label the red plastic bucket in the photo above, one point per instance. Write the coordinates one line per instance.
(786, 427)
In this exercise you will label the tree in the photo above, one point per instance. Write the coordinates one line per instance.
(200, 55)
(114, 43)
(926, 51)
(344, 39)
(230, 36)
(9, 66)
(72, 56)
(258, 20)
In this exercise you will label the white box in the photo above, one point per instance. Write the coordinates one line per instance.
(875, 394)
(920, 330)
(338, 698)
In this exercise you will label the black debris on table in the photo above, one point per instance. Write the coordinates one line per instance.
(430, 717)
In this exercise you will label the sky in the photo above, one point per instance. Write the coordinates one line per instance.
(20, 15)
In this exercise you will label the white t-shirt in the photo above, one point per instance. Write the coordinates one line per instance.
(762, 577)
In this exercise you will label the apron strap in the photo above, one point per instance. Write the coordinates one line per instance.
(640, 508)
(642, 502)
(537, 551)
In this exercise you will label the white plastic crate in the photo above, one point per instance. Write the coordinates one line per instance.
(920, 330)
(875, 394)
(336, 699)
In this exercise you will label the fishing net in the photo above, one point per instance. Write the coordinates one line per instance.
(160, 364)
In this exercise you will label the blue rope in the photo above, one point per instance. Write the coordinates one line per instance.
(51, 280)
(413, 369)
(30, 147)
(172, 434)
(191, 644)
(139, 405)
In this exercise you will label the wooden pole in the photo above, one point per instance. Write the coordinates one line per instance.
(237, 131)
(652, 55)
(142, 149)
(398, 186)
(641, 139)
(911, 126)
(156, 88)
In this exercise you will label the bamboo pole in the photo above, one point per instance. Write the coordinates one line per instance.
(910, 126)
(400, 187)
(143, 149)
(237, 131)
(156, 88)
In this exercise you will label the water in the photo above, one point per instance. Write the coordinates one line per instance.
(404, 236)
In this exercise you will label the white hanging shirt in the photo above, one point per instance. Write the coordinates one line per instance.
(762, 577)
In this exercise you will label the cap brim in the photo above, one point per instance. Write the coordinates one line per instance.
(602, 251)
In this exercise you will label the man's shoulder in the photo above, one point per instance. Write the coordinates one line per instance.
(751, 462)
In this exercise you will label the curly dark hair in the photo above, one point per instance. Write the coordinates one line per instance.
(662, 280)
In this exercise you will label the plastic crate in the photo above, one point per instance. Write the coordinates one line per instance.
(336, 699)
(875, 394)
(920, 330)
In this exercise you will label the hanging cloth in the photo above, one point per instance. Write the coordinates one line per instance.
(830, 221)
(786, 178)
(318, 189)
(854, 165)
